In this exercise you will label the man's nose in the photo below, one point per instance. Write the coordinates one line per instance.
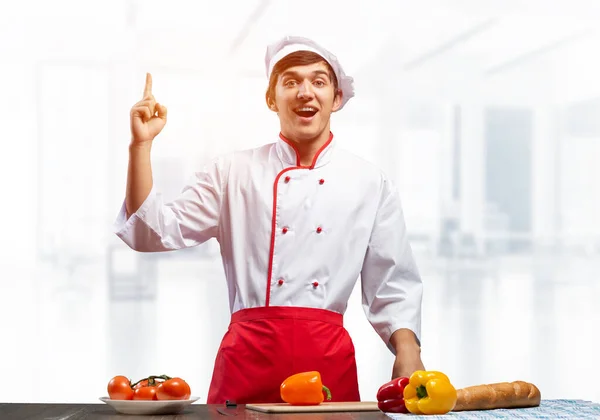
(305, 90)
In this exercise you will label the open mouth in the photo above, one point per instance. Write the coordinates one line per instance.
(306, 111)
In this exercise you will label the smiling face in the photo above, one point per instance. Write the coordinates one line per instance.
(303, 91)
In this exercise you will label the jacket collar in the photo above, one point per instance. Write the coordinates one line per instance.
(287, 152)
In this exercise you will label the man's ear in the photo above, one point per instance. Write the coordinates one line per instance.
(337, 100)
(270, 103)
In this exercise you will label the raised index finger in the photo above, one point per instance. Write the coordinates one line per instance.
(148, 87)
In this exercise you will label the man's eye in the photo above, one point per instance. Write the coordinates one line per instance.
(290, 83)
(319, 83)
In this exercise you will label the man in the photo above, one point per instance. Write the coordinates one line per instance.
(298, 220)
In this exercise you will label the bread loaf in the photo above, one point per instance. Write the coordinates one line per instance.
(499, 395)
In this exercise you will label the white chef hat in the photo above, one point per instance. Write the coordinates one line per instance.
(290, 44)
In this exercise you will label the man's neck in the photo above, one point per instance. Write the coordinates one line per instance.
(307, 149)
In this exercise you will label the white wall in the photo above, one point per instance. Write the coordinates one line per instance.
(71, 71)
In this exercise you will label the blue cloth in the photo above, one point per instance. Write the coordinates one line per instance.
(548, 409)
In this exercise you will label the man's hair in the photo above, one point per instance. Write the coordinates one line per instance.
(298, 58)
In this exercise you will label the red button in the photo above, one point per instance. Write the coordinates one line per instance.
(319, 230)
(321, 181)
(280, 282)
(284, 230)
(315, 284)
(287, 179)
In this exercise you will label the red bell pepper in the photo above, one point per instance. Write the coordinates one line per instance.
(390, 397)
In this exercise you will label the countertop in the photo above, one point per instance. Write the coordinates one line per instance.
(41, 411)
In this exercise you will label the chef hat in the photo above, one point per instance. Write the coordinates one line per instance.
(290, 44)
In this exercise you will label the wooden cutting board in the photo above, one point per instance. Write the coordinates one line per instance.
(321, 408)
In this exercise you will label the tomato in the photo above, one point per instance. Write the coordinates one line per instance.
(145, 393)
(119, 388)
(173, 389)
(142, 384)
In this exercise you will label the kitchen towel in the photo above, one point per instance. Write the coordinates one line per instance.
(548, 409)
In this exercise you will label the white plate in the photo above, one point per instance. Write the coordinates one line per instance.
(143, 407)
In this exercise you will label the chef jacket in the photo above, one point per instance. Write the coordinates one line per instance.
(293, 235)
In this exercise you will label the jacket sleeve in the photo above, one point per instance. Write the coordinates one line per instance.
(189, 220)
(392, 289)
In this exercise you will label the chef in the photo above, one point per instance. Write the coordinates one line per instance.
(298, 221)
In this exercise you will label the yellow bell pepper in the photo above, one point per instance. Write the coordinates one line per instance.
(429, 392)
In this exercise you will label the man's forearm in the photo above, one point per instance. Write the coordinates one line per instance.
(408, 353)
(139, 177)
(404, 339)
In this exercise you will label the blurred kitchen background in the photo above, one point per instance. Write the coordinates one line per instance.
(486, 114)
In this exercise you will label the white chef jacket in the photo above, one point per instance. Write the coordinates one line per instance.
(292, 235)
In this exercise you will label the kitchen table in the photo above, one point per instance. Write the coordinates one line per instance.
(22, 411)
(549, 409)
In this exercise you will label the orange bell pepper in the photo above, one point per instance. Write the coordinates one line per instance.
(304, 388)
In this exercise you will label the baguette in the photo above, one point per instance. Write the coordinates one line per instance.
(499, 395)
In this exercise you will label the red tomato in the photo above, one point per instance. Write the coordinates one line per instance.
(173, 389)
(146, 382)
(143, 384)
(145, 393)
(119, 388)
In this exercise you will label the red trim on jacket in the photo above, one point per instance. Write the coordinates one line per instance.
(314, 161)
(274, 211)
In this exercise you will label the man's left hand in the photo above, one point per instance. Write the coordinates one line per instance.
(407, 362)
(408, 353)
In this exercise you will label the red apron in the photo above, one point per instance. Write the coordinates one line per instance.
(265, 345)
